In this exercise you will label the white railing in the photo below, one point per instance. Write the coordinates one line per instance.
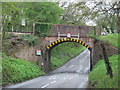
(65, 36)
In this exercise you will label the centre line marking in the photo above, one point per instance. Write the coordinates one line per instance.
(45, 86)
(72, 77)
(64, 78)
(76, 74)
(53, 82)
(52, 77)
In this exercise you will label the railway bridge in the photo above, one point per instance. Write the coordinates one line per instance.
(65, 33)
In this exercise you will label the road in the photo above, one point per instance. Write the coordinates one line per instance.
(73, 74)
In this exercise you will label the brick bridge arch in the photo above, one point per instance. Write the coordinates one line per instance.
(52, 40)
(59, 41)
(46, 53)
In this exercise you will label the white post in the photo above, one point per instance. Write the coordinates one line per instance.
(78, 36)
(58, 35)
(33, 28)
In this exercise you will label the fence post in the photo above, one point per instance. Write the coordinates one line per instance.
(33, 28)
(107, 64)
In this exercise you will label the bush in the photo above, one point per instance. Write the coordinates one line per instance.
(42, 29)
(17, 70)
(32, 40)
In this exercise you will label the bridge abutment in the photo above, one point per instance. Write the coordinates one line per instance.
(97, 53)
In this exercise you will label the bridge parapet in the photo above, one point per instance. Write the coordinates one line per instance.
(74, 29)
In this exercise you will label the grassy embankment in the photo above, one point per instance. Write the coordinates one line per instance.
(64, 52)
(98, 77)
(111, 39)
(17, 70)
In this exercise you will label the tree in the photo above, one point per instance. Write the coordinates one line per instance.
(106, 15)
(75, 13)
(14, 12)
(47, 12)
(10, 16)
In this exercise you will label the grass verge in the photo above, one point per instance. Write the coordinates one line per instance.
(111, 39)
(64, 52)
(98, 77)
(17, 70)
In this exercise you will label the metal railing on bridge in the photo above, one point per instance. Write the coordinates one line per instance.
(68, 35)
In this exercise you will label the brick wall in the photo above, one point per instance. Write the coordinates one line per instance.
(74, 29)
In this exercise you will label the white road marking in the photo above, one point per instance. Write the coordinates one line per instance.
(76, 74)
(64, 78)
(52, 77)
(78, 70)
(53, 82)
(45, 86)
(72, 77)
(87, 69)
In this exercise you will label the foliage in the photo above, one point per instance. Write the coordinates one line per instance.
(32, 40)
(98, 77)
(64, 52)
(14, 12)
(111, 39)
(92, 31)
(8, 35)
(6, 46)
(106, 15)
(42, 29)
(74, 13)
(17, 70)
(48, 12)
(10, 16)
